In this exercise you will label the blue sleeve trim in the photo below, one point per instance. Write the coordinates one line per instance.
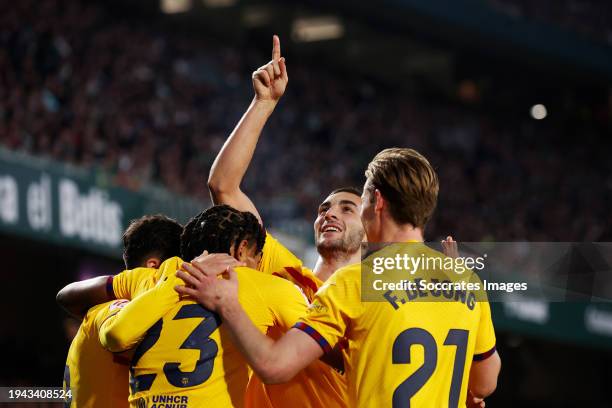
(485, 355)
(315, 335)
(109, 288)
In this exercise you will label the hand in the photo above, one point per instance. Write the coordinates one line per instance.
(449, 247)
(211, 292)
(214, 264)
(270, 80)
(169, 277)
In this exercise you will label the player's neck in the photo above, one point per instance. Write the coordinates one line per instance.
(326, 266)
(390, 231)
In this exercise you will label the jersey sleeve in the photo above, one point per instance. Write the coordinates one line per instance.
(485, 336)
(122, 331)
(287, 303)
(270, 301)
(126, 283)
(108, 312)
(336, 303)
(303, 278)
(275, 257)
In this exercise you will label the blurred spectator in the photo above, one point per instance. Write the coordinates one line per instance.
(590, 18)
(153, 107)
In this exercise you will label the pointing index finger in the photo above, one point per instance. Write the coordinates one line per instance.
(276, 50)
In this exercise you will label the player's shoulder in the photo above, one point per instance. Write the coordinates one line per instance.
(101, 311)
(270, 239)
(141, 274)
(276, 256)
(348, 272)
(173, 262)
(262, 281)
(94, 310)
(347, 279)
(168, 267)
(271, 243)
(264, 296)
(136, 274)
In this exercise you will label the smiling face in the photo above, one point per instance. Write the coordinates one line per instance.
(338, 226)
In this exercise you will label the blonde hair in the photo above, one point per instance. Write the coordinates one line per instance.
(408, 183)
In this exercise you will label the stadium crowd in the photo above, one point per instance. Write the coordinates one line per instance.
(589, 18)
(154, 107)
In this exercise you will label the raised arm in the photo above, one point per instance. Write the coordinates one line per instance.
(77, 297)
(230, 166)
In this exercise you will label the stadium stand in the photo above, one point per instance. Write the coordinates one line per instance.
(589, 18)
(153, 107)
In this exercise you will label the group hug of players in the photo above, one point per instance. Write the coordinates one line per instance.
(270, 332)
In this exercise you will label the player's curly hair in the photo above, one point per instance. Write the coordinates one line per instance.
(151, 236)
(218, 229)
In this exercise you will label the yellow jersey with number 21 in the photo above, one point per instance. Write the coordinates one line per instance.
(406, 348)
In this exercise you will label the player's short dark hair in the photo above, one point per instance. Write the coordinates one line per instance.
(151, 236)
(218, 229)
(347, 189)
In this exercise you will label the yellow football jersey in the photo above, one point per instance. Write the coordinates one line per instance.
(186, 358)
(95, 377)
(277, 260)
(318, 385)
(408, 348)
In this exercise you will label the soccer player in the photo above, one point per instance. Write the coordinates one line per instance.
(338, 235)
(338, 230)
(401, 353)
(185, 358)
(95, 377)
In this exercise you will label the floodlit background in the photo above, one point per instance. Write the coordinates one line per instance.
(113, 109)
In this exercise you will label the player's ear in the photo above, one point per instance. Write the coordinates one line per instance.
(379, 201)
(153, 262)
(242, 250)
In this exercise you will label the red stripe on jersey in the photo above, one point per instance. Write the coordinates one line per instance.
(301, 279)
